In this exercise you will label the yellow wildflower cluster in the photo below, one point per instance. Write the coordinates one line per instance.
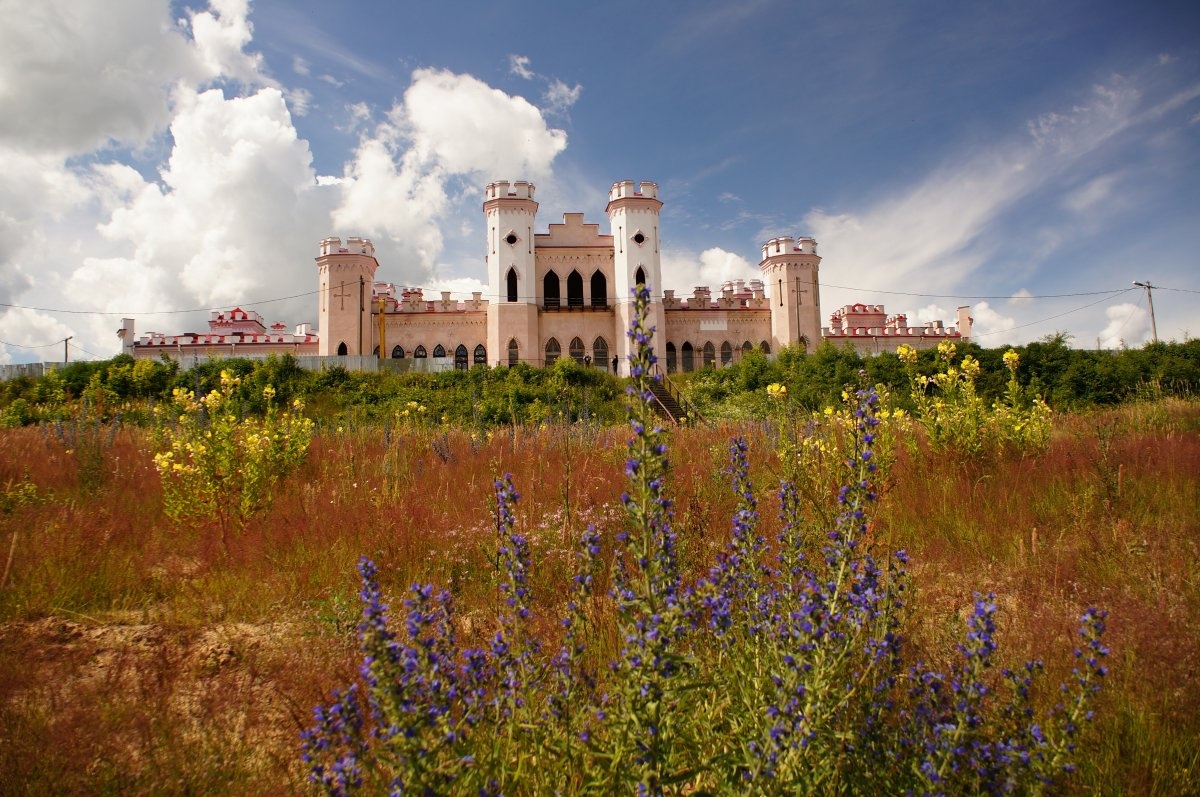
(214, 465)
(956, 418)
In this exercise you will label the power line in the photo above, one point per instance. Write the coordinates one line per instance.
(959, 296)
(133, 314)
(1044, 320)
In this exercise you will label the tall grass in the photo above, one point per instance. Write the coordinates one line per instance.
(134, 656)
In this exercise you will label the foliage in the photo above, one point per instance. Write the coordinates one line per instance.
(957, 419)
(215, 464)
(761, 678)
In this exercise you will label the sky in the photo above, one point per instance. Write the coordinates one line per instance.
(1030, 159)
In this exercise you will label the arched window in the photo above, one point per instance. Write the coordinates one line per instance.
(419, 353)
(710, 355)
(514, 351)
(639, 276)
(553, 350)
(397, 352)
(375, 352)
(726, 353)
(804, 342)
(577, 350)
(765, 347)
(550, 289)
(460, 358)
(511, 280)
(600, 352)
(689, 358)
(342, 350)
(439, 350)
(599, 289)
(672, 359)
(747, 347)
(480, 355)
(574, 289)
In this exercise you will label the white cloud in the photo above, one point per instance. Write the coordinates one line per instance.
(300, 66)
(1091, 193)
(1021, 297)
(78, 76)
(32, 333)
(1126, 323)
(991, 327)
(683, 270)
(299, 100)
(519, 65)
(559, 97)
(220, 35)
(467, 127)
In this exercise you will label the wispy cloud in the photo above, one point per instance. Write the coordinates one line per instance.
(519, 65)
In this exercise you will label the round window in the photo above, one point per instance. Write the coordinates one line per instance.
(639, 239)
(511, 239)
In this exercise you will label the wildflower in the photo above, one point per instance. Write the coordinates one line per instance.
(777, 391)
(907, 354)
(1011, 359)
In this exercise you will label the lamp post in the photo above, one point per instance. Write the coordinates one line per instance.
(67, 348)
(1150, 301)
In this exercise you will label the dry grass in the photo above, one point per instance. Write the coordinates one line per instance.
(136, 656)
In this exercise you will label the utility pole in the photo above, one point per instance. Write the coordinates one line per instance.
(1150, 301)
(67, 348)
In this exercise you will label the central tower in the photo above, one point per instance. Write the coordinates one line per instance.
(633, 214)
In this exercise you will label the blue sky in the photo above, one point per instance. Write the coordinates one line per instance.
(166, 157)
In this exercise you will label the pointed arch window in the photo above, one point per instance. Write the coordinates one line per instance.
(397, 352)
(599, 289)
(342, 350)
(551, 289)
(710, 355)
(419, 353)
(514, 352)
(689, 358)
(574, 289)
(553, 351)
(764, 347)
(439, 350)
(726, 353)
(577, 350)
(600, 352)
(511, 284)
(639, 276)
(747, 347)
(375, 352)
(460, 358)
(672, 358)
(480, 356)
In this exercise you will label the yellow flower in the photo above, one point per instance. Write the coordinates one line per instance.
(970, 366)
(268, 392)
(777, 391)
(907, 354)
(1011, 358)
(946, 349)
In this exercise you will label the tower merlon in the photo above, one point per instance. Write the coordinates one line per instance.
(354, 246)
(503, 189)
(628, 189)
(786, 245)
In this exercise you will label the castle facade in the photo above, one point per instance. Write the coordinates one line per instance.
(565, 292)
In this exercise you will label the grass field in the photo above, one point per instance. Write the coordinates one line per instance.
(138, 656)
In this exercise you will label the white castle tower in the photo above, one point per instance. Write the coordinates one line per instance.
(344, 278)
(633, 214)
(790, 270)
(510, 214)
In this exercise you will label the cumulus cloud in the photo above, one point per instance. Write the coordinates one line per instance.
(1021, 297)
(1126, 323)
(30, 332)
(220, 36)
(447, 126)
(684, 270)
(992, 327)
(78, 76)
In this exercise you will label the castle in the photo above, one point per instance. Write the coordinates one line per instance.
(562, 293)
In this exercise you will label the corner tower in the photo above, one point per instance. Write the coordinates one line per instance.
(790, 270)
(345, 275)
(633, 211)
(510, 214)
